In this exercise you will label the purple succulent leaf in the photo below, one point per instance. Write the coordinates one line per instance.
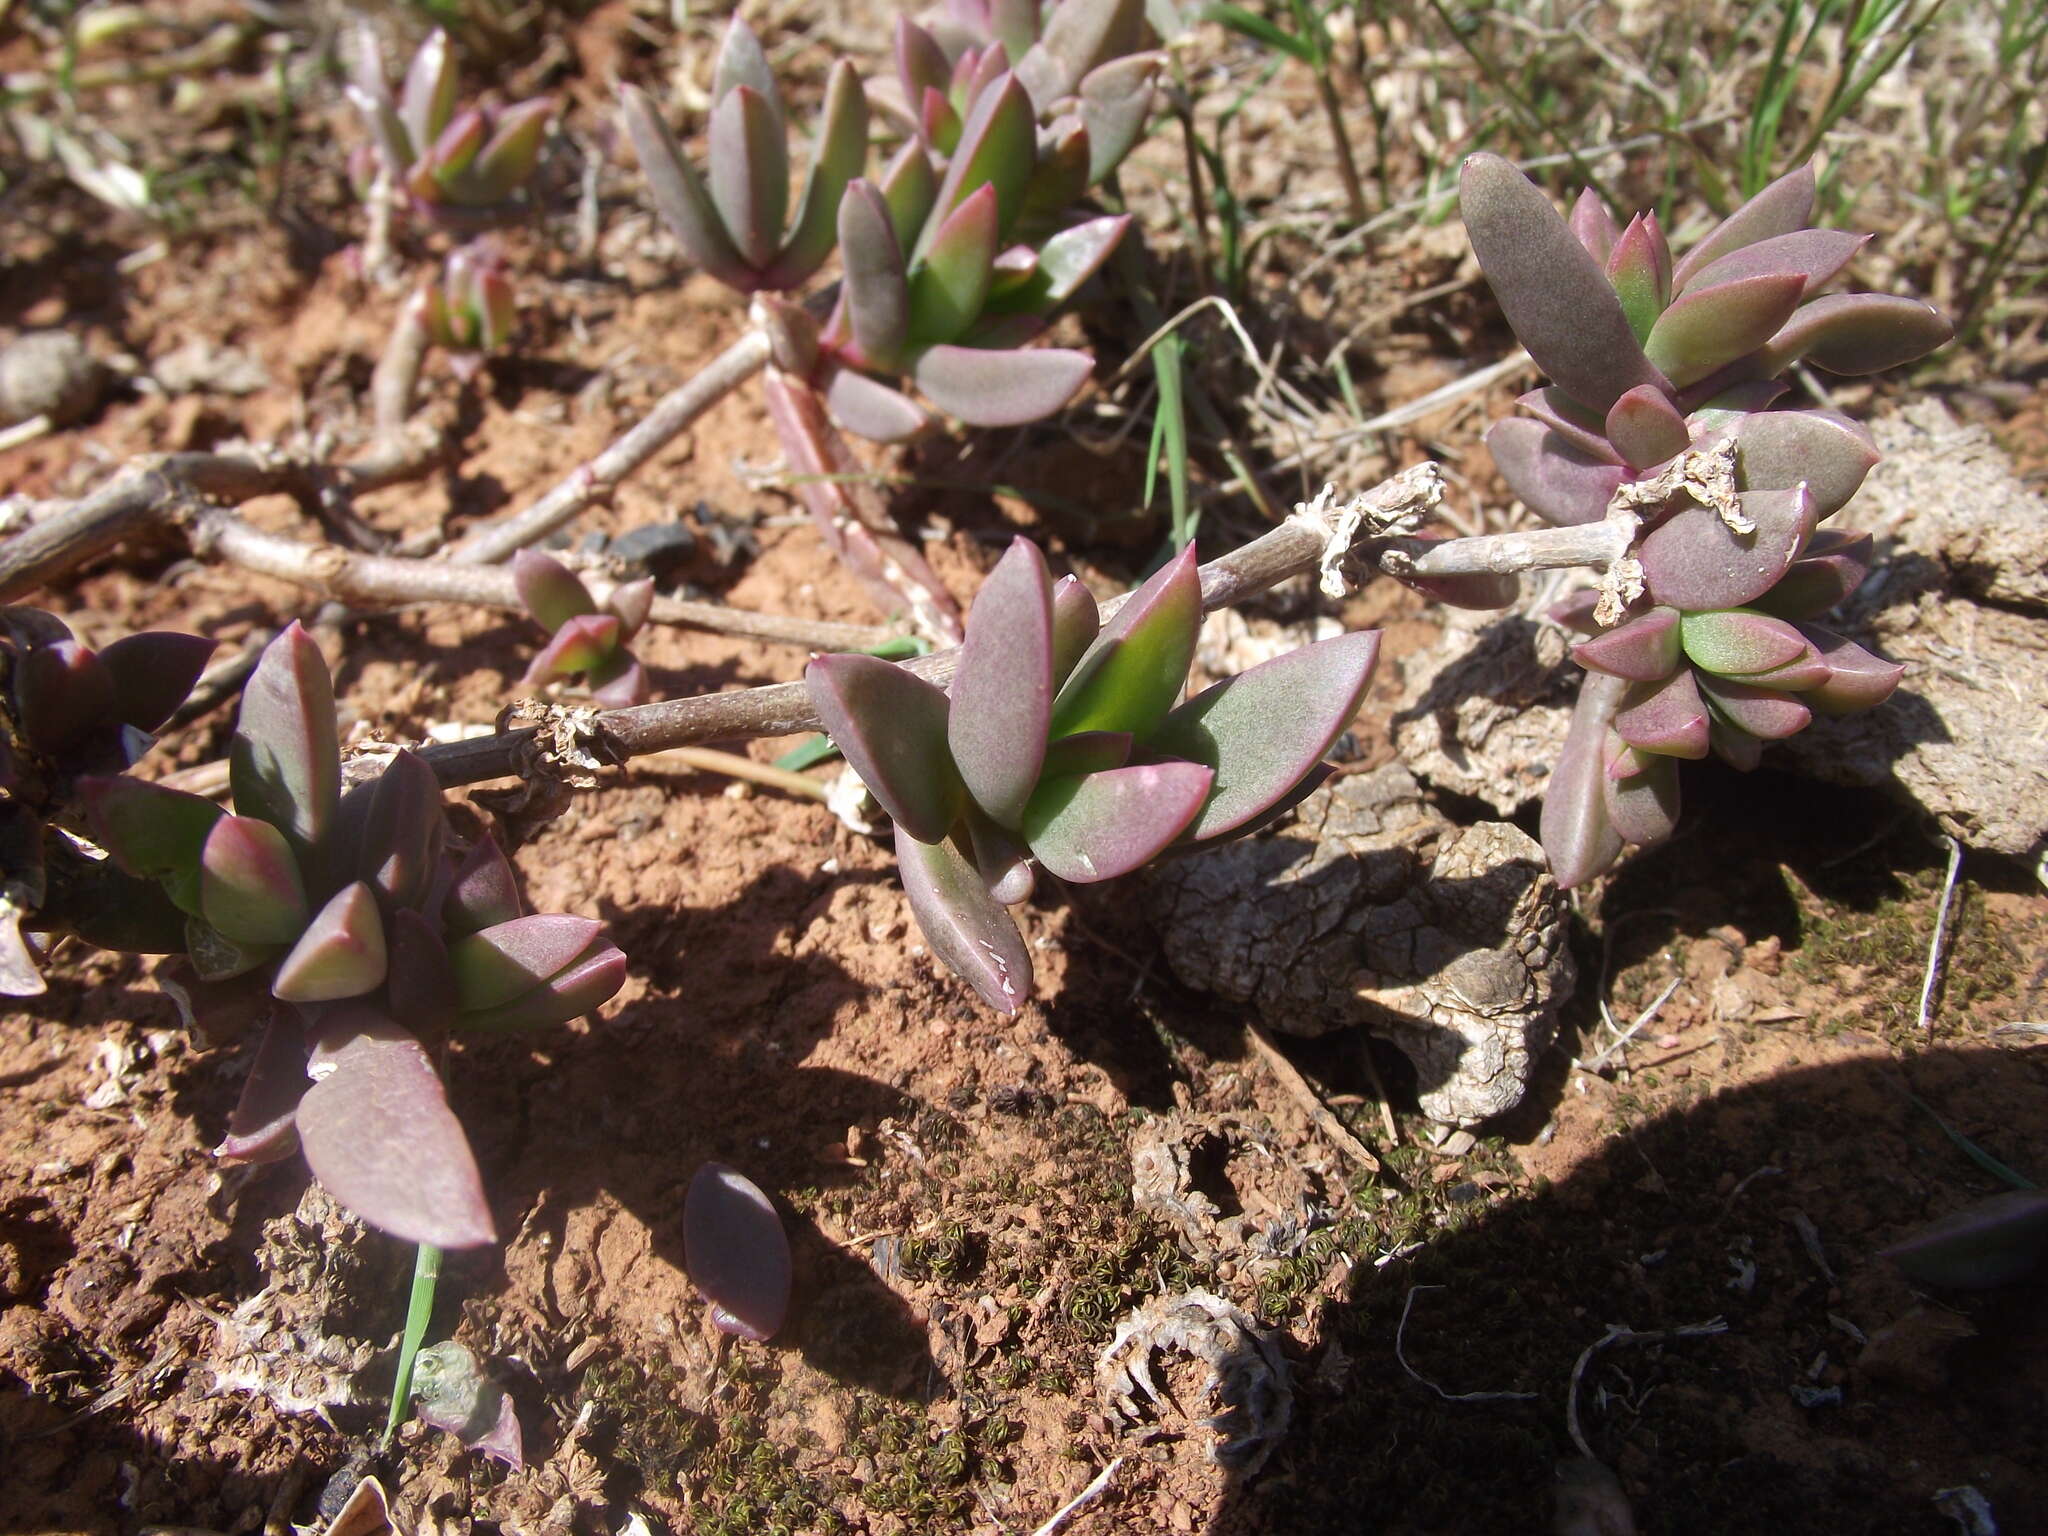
(1594, 226)
(1765, 713)
(285, 760)
(909, 188)
(262, 1128)
(1706, 328)
(966, 926)
(1133, 673)
(427, 99)
(1581, 428)
(249, 885)
(1824, 450)
(151, 831)
(1004, 861)
(1815, 255)
(1668, 718)
(1782, 207)
(1990, 1243)
(552, 592)
(1643, 649)
(1575, 612)
(1578, 837)
(377, 1132)
(453, 1393)
(920, 62)
(950, 281)
(1116, 100)
(1639, 267)
(875, 288)
(679, 194)
(1695, 561)
(1001, 389)
(1059, 179)
(497, 964)
(743, 63)
(153, 673)
(1559, 483)
(1483, 590)
(891, 727)
(737, 1252)
(380, 115)
(749, 174)
(419, 979)
(456, 149)
(1014, 24)
(1003, 333)
(483, 891)
(1857, 679)
(619, 682)
(1265, 728)
(1857, 333)
(938, 124)
(1555, 295)
(1096, 826)
(838, 151)
(1083, 35)
(585, 985)
(61, 692)
(403, 832)
(1824, 577)
(1734, 746)
(1076, 620)
(340, 955)
(1738, 641)
(216, 957)
(507, 160)
(1643, 807)
(1012, 269)
(1003, 689)
(1087, 752)
(871, 409)
(632, 601)
(1063, 264)
(580, 645)
(976, 75)
(998, 146)
(1646, 428)
(1799, 675)
(1731, 406)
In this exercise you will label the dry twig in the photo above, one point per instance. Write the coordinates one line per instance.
(1299, 1090)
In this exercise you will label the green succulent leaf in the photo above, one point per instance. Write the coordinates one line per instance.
(341, 953)
(876, 289)
(1739, 641)
(1076, 619)
(249, 885)
(1116, 100)
(552, 592)
(951, 280)
(1134, 672)
(966, 927)
(998, 147)
(1639, 267)
(1264, 729)
(152, 832)
(909, 187)
(1066, 261)
(1706, 328)
(1782, 207)
(1002, 691)
(891, 726)
(837, 155)
(427, 99)
(742, 62)
(1096, 826)
(507, 161)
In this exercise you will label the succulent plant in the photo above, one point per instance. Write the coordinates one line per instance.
(1060, 747)
(589, 639)
(454, 1392)
(68, 711)
(966, 244)
(462, 169)
(1664, 377)
(348, 931)
(470, 311)
(737, 1252)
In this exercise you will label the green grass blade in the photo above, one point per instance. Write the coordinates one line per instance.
(1256, 27)
(419, 1311)
(1170, 426)
(1971, 1150)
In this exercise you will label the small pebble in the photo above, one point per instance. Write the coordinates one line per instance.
(48, 373)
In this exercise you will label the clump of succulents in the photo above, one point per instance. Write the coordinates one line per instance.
(66, 712)
(588, 639)
(350, 932)
(470, 311)
(1062, 746)
(965, 245)
(1665, 374)
(460, 167)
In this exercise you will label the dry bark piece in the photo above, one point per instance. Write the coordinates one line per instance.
(1371, 908)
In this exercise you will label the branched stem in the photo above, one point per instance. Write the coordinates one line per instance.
(1534, 549)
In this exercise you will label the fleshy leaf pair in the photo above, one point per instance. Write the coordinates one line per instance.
(66, 712)
(732, 222)
(470, 311)
(1661, 409)
(461, 168)
(1062, 747)
(344, 926)
(588, 640)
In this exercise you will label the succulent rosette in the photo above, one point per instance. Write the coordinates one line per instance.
(470, 311)
(1062, 746)
(347, 931)
(462, 167)
(964, 246)
(1662, 408)
(587, 639)
(68, 711)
